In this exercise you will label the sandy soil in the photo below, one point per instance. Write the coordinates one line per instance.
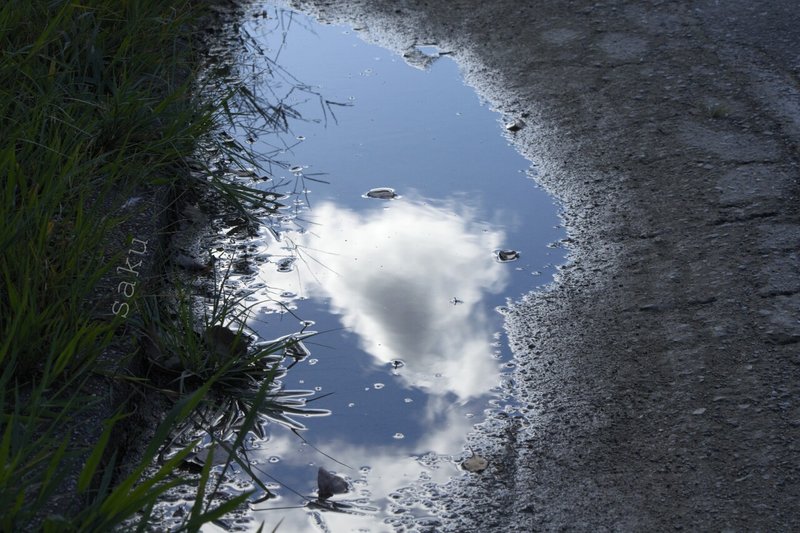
(660, 374)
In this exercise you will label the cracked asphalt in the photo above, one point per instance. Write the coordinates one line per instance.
(659, 375)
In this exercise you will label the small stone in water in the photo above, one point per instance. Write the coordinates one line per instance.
(475, 464)
(515, 126)
(505, 256)
(381, 193)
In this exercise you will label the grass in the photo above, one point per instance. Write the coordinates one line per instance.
(99, 100)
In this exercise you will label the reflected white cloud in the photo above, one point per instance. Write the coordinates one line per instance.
(388, 469)
(409, 279)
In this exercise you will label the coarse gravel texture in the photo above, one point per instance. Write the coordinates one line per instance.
(659, 374)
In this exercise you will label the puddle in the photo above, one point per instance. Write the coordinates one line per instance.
(426, 225)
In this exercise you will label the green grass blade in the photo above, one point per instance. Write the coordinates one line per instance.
(90, 467)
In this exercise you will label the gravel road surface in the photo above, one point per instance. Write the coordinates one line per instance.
(660, 374)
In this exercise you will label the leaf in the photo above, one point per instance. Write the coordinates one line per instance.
(330, 484)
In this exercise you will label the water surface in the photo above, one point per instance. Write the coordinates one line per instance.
(403, 292)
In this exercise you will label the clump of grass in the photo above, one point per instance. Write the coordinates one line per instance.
(203, 343)
(96, 100)
(88, 111)
(100, 100)
(197, 343)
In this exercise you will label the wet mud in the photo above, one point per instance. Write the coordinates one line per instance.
(658, 376)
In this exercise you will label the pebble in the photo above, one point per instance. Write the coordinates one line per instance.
(475, 464)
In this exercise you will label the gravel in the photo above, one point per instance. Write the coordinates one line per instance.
(659, 373)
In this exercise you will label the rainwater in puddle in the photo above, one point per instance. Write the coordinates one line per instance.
(400, 260)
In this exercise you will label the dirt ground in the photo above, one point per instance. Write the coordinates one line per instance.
(660, 374)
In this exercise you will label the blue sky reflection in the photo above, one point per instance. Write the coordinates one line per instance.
(410, 279)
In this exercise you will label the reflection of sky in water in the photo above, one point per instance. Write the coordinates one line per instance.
(411, 279)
